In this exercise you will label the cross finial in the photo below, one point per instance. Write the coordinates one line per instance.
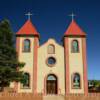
(29, 15)
(72, 15)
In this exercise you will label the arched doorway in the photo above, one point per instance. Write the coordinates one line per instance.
(51, 84)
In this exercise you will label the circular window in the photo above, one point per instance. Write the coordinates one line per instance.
(51, 61)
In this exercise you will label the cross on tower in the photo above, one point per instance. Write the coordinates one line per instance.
(72, 15)
(29, 15)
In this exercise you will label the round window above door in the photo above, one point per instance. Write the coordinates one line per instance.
(51, 61)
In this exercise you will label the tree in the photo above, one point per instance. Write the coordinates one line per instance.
(8, 56)
(96, 83)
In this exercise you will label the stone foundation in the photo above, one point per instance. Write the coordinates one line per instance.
(24, 96)
(90, 96)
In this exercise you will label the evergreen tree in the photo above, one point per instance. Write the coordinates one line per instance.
(8, 56)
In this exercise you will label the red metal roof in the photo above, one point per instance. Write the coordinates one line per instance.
(74, 30)
(28, 29)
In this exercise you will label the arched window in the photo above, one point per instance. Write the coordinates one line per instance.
(26, 80)
(75, 46)
(51, 77)
(51, 49)
(76, 81)
(26, 46)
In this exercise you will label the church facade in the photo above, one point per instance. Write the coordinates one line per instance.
(52, 68)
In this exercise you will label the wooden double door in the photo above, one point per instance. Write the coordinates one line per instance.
(51, 86)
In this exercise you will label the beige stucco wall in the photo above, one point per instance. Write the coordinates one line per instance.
(76, 65)
(58, 69)
(12, 85)
(27, 57)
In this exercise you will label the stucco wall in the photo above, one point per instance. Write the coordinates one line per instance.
(44, 70)
(76, 65)
(27, 57)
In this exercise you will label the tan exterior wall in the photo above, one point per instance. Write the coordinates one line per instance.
(43, 70)
(12, 85)
(76, 65)
(58, 69)
(27, 58)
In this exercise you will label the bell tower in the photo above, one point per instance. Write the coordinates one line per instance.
(75, 60)
(27, 42)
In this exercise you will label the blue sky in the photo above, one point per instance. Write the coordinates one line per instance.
(51, 20)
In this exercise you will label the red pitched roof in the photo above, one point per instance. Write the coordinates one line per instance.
(74, 30)
(27, 29)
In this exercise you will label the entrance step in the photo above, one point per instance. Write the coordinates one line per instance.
(54, 97)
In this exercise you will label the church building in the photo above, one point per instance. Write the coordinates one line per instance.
(51, 68)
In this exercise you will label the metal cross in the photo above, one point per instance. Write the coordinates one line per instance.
(72, 15)
(29, 15)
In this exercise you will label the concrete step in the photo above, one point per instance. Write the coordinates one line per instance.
(54, 97)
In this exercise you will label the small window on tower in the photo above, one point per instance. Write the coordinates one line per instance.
(25, 81)
(26, 45)
(74, 46)
(76, 81)
(51, 49)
